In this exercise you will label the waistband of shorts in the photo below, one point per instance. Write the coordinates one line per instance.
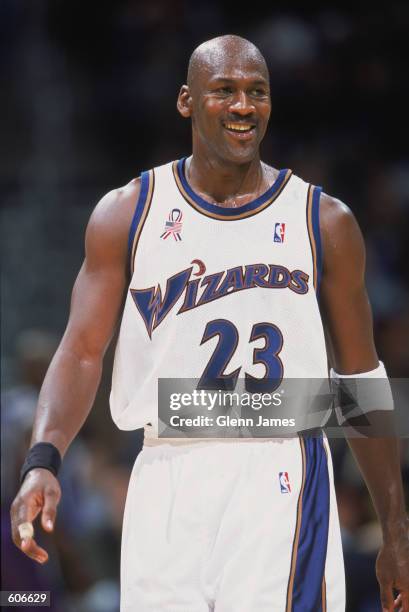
(151, 439)
(213, 448)
(184, 442)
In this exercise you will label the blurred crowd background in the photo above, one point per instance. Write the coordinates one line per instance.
(88, 101)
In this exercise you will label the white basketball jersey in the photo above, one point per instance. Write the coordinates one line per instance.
(218, 292)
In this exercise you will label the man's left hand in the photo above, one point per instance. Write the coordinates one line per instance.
(392, 571)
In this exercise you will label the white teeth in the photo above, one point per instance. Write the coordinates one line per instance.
(238, 127)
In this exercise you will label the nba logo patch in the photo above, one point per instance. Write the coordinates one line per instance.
(284, 482)
(173, 226)
(279, 232)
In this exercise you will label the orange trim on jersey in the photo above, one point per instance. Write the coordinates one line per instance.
(324, 595)
(231, 217)
(297, 532)
(146, 208)
(311, 234)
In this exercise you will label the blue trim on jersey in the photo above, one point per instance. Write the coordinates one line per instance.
(229, 212)
(140, 205)
(317, 234)
(312, 544)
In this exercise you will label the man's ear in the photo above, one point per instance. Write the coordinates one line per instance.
(184, 102)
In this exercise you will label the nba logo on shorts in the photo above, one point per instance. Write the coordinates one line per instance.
(284, 482)
(279, 232)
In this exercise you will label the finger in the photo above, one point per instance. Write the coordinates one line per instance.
(32, 550)
(28, 510)
(25, 511)
(404, 601)
(26, 530)
(386, 597)
(49, 513)
(398, 602)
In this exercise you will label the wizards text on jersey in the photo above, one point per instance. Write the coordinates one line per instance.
(198, 291)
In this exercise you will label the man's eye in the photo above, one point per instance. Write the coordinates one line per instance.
(225, 91)
(258, 92)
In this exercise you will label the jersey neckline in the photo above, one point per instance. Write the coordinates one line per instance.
(228, 214)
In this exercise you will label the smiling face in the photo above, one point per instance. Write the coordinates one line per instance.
(228, 99)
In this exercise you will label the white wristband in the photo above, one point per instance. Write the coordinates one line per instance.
(358, 394)
(378, 372)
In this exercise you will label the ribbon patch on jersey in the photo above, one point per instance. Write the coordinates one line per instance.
(173, 225)
(279, 232)
(285, 486)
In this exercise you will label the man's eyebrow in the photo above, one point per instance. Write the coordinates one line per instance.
(256, 81)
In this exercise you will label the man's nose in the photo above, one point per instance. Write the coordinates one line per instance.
(242, 104)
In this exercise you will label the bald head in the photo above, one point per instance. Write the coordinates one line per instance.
(227, 98)
(214, 54)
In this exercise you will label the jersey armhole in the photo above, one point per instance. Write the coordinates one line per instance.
(139, 217)
(313, 225)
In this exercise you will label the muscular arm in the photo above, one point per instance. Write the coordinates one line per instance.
(72, 380)
(73, 377)
(347, 320)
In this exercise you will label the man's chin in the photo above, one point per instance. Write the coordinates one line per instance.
(240, 155)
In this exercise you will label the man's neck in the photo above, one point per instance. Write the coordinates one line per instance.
(229, 185)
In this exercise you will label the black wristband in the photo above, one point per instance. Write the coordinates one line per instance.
(44, 455)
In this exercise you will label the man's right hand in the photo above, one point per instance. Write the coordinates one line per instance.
(40, 492)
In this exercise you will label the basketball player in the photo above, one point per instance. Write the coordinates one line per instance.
(227, 257)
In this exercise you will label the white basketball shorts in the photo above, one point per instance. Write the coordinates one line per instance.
(233, 527)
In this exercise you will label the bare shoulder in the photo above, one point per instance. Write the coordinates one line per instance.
(116, 207)
(109, 224)
(340, 232)
(335, 214)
